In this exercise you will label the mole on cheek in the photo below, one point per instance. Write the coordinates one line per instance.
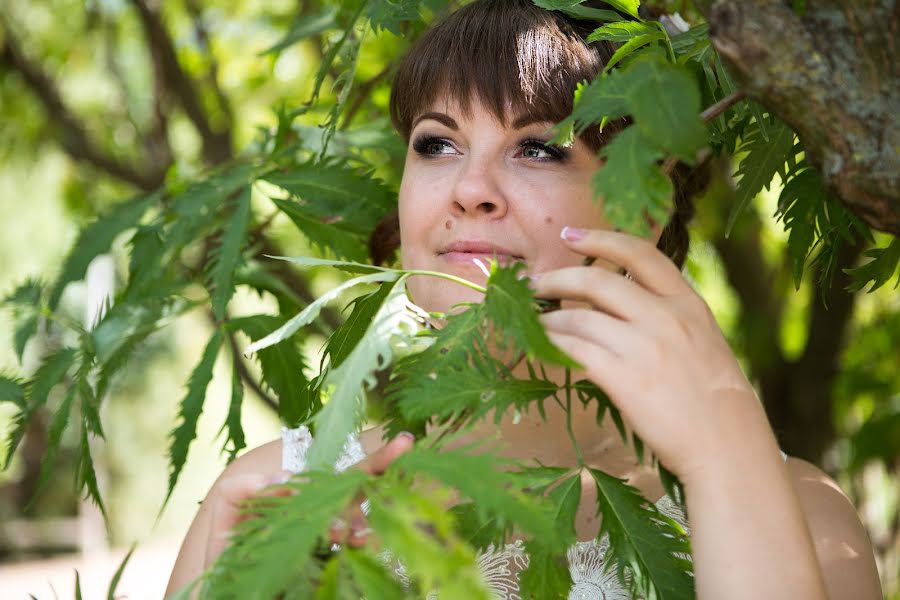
(548, 220)
(448, 225)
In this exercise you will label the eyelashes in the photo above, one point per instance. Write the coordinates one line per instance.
(429, 146)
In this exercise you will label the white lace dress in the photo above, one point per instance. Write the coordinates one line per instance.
(500, 567)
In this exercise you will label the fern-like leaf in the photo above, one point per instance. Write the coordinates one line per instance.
(25, 302)
(879, 270)
(48, 375)
(224, 260)
(12, 390)
(96, 238)
(54, 437)
(646, 545)
(234, 441)
(191, 407)
(85, 475)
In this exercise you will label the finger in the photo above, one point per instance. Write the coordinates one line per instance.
(641, 258)
(617, 336)
(603, 367)
(359, 532)
(378, 462)
(604, 290)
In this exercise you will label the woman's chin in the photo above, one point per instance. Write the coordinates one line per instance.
(440, 295)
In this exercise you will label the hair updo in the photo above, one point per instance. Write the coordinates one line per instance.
(517, 59)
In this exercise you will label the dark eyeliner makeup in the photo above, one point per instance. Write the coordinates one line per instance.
(423, 143)
(555, 152)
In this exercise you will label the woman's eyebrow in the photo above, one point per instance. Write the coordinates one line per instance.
(526, 120)
(439, 117)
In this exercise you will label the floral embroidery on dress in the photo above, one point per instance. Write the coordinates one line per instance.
(500, 568)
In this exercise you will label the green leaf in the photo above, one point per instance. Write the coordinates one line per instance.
(254, 564)
(631, 45)
(305, 28)
(344, 244)
(111, 592)
(643, 542)
(224, 259)
(374, 352)
(879, 270)
(480, 477)
(233, 419)
(11, 390)
(345, 338)
(54, 437)
(96, 238)
(760, 164)
(282, 367)
(665, 102)
(309, 314)
(189, 413)
(508, 304)
(85, 474)
(48, 375)
(621, 31)
(547, 576)
(25, 302)
(575, 8)
(338, 195)
(631, 184)
(391, 14)
(417, 528)
(371, 576)
(344, 265)
(604, 98)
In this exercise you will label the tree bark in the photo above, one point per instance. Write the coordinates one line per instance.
(833, 75)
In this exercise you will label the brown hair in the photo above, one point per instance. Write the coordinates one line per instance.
(517, 59)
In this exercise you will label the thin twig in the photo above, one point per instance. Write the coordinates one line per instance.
(243, 370)
(722, 105)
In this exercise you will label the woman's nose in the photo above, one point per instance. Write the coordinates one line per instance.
(478, 193)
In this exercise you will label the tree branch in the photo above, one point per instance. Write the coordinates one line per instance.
(363, 91)
(243, 370)
(212, 75)
(217, 146)
(833, 75)
(71, 133)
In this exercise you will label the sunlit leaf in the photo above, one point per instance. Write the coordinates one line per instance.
(224, 259)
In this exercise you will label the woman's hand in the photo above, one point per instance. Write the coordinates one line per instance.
(233, 492)
(652, 344)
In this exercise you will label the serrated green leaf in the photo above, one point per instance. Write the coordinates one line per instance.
(547, 576)
(48, 375)
(621, 31)
(114, 583)
(604, 98)
(372, 577)
(85, 474)
(345, 338)
(190, 408)
(575, 8)
(643, 542)
(96, 238)
(391, 14)
(309, 314)
(481, 478)
(343, 413)
(11, 390)
(25, 302)
(417, 528)
(234, 441)
(344, 265)
(225, 258)
(305, 28)
(344, 244)
(758, 167)
(630, 183)
(665, 102)
(282, 367)
(631, 46)
(879, 270)
(346, 198)
(253, 566)
(54, 437)
(508, 304)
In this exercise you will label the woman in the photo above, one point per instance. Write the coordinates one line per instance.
(475, 100)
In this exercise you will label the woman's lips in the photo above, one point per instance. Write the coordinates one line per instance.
(484, 257)
(466, 252)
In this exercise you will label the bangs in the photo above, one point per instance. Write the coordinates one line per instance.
(518, 60)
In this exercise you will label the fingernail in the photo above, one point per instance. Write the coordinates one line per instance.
(281, 478)
(407, 436)
(572, 234)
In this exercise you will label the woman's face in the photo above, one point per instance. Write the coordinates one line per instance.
(473, 188)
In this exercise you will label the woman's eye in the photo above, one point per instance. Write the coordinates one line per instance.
(541, 150)
(431, 146)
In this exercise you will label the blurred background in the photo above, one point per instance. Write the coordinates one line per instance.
(100, 99)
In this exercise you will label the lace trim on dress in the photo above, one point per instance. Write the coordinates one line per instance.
(500, 567)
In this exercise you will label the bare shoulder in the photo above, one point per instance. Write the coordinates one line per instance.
(842, 545)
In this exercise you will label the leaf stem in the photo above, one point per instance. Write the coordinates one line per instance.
(571, 433)
(454, 278)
